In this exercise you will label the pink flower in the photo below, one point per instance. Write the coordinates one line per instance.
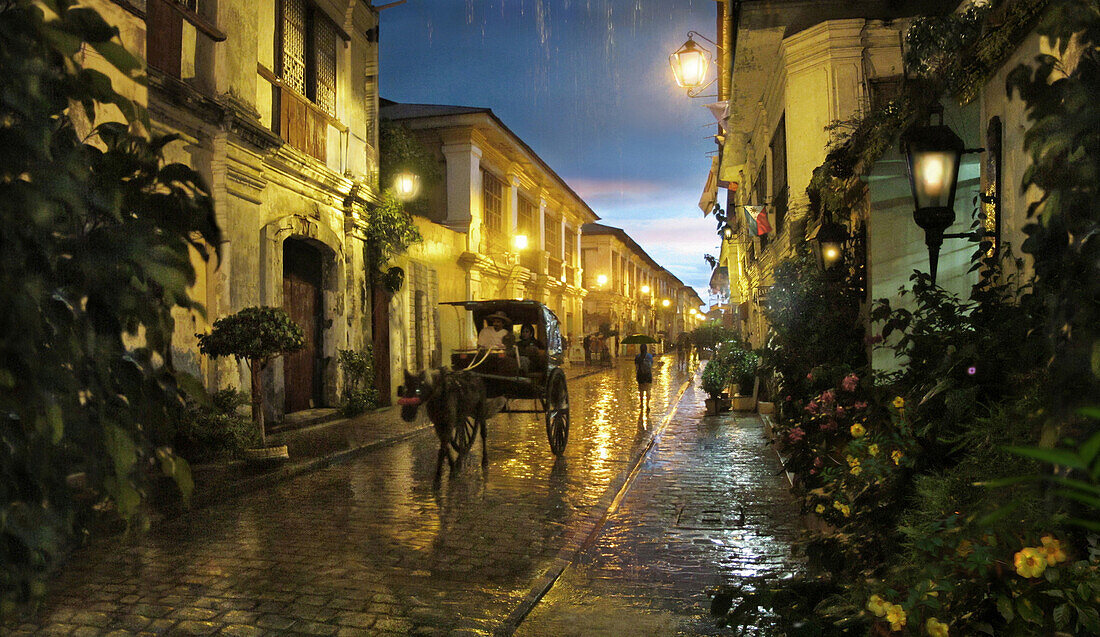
(839, 411)
(818, 462)
(788, 398)
(796, 434)
(861, 404)
(810, 376)
(812, 407)
(828, 397)
(850, 382)
(829, 426)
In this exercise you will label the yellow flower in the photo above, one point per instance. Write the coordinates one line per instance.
(857, 430)
(896, 616)
(852, 461)
(820, 509)
(856, 470)
(873, 450)
(935, 627)
(843, 508)
(1030, 562)
(1052, 550)
(899, 402)
(896, 456)
(877, 605)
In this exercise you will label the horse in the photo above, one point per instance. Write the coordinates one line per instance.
(451, 400)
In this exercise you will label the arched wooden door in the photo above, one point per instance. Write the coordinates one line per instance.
(302, 300)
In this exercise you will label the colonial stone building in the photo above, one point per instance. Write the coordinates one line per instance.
(275, 104)
(629, 292)
(505, 225)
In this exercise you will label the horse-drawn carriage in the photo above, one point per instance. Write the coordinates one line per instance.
(520, 370)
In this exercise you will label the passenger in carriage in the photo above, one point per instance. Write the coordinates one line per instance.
(531, 350)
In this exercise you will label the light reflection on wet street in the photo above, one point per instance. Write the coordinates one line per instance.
(369, 547)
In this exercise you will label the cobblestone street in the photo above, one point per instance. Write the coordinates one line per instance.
(368, 547)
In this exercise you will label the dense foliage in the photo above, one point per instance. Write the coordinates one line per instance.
(215, 429)
(95, 252)
(256, 335)
(814, 335)
(961, 494)
(358, 396)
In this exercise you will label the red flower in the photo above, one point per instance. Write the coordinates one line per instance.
(796, 434)
(850, 382)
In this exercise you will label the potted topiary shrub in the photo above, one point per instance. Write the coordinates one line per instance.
(715, 381)
(742, 363)
(256, 335)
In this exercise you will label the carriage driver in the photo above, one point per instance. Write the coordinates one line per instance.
(495, 336)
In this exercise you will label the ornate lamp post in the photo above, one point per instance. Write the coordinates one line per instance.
(932, 156)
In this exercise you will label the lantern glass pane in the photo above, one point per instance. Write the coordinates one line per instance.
(690, 67)
(934, 175)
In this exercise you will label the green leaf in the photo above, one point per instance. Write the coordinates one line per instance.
(1004, 605)
(1051, 456)
(1062, 615)
(56, 421)
(121, 448)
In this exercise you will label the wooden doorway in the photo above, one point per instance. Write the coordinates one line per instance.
(302, 300)
(380, 331)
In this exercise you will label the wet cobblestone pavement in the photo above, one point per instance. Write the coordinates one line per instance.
(369, 547)
(707, 507)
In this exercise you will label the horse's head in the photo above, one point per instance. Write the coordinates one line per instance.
(417, 389)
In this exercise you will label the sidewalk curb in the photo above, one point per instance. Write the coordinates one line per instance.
(219, 491)
(583, 539)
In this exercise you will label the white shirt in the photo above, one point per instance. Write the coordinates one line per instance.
(491, 338)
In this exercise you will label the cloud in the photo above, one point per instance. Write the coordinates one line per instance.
(592, 189)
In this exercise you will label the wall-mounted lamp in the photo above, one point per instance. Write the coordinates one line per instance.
(932, 156)
(645, 289)
(727, 232)
(406, 185)
(601, 279)
(828, 245)
(519, 242)
(690, 63)
(665, 302)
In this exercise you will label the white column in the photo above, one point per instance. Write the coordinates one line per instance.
(463, 189)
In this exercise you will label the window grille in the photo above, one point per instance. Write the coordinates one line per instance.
(492, 202)
(324, 34)
(528, 219)
(570, 246)
(553, 236)
(294, 45)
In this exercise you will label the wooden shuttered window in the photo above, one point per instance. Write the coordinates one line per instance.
(553, 236)
(492, 203)
(308, 53)
(164, 28)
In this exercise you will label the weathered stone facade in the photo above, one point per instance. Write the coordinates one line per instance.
(278, 113)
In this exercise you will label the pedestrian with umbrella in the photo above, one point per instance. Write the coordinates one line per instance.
(643, 367)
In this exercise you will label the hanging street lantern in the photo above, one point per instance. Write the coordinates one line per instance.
(932, 156)
(689, 64)
(727, 232)
(406, 185)
(828, 245)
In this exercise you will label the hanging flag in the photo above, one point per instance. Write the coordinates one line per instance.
(710, 191)
(756, 220)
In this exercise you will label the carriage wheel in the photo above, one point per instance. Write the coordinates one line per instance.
(557, 411)
(463, 436)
